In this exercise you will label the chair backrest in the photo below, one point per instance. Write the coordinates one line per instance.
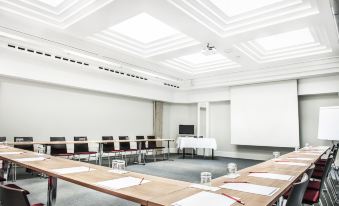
(2, 139)
(81, 147)
(124, 145)
(108, 147)
(327, 168)
(13, 197)
(58, 148)
(310, 170)
(297, 193)
(151, 144)
(141, 144)
(29, 147)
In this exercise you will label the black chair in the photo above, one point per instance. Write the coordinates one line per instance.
(141, 144)
(82, 148)
(110, 148)
(126, 147)
(2, 139)
(59, 149)
(29, 147)
(152, 145)
(14, 196)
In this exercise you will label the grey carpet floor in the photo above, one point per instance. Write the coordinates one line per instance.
(70, 194)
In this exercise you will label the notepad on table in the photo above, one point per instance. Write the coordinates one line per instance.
(205, 198)
(272, 176)
(70, 170)
(251, 188)
(291, 163)
(10, 153)
(299, 158)
(205, 187)
(30, 159)
(121, 183)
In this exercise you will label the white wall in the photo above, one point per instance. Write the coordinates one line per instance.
(41, 111)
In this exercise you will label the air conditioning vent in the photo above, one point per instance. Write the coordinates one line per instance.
(46, 54)
(122, 73)
(171, 85)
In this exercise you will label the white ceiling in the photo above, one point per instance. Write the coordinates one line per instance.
(259, 39)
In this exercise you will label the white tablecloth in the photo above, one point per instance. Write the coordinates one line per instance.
(190, 142)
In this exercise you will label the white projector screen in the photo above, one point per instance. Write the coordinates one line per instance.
(328, 123)
(265, 114)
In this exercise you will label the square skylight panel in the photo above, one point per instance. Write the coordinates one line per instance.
(237, 7)
(144, 28)
(287, 39)
(199, 58)
(53, 3)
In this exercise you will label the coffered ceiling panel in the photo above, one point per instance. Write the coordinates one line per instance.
(230, 17)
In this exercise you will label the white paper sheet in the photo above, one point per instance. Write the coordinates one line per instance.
(70, 170)
(291, 163)
(118, 171)
(272, 176)
(251, 188)
(30, 159)
(121, 183)
(299, 158)
(205, 199)
(205, 187)
(10, 153)
(310, 153)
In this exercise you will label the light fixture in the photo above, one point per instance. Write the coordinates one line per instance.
(11, 36)
(209, 50)
(154, 75)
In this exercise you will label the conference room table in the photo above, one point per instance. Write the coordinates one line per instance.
(100, 143)
(162, 191)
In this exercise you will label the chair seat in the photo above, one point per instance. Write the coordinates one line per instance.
(17, 187)
(114, 151)
(314, 185)
(38, 204)
(64, 154)
(311, 197)
(287, 194)
(317, 174)
(129, 150)
(2, 179)
(85, 153)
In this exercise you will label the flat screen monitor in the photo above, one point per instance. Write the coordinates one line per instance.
(186, 129)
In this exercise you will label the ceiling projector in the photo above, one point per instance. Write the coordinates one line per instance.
(209, 50)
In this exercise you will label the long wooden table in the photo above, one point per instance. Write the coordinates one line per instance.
(248, 198)
(100, 143)
(160, 191)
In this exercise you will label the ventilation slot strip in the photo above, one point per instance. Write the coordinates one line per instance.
(122, 73)
(171, 85)
(47, 54)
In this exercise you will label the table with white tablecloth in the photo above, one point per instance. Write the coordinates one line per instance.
(196, 143)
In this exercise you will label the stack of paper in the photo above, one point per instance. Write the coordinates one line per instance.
(299, 158)
(30, 159)
(71, 170)
(272, 176)
(121, 183)
(205, 187)
(251, 188)
(291, 163)
(232, 176)
(205, 198)
(10, 153)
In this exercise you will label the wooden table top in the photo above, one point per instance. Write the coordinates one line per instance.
(248, 198)
(141, 194)
(162, 191)
(82, 142)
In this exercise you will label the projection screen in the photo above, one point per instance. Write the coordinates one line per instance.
(265, 114)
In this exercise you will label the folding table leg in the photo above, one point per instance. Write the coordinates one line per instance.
(52, 191)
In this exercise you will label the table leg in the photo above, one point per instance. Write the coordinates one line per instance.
(100, 153)
(5, 170)
(52, 191)
(168, 151)
(183, 153)
(212, 154)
